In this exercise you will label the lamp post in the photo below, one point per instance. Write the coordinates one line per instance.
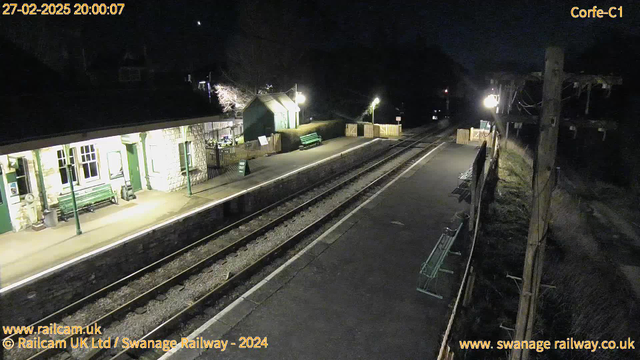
(300, 99)
(375, 102)
(73, 194)
(186, 157)
(446, 93)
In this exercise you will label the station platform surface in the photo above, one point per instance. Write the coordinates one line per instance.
(27, 253)
(351, 294)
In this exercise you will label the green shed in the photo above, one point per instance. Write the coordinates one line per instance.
(268, 113)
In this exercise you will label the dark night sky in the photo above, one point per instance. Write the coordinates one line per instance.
(470, 32)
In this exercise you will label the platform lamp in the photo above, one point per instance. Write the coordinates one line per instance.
(73, 194)
(184, 129)
(375, 102)
(300, 99)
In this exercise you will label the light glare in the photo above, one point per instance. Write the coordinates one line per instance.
(491, 101)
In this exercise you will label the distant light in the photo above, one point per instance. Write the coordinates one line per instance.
(300, 98)
(375, 102)
(491, 101)
(198, 22)
(446, 91)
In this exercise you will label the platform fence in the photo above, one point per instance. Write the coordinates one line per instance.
(231, 155)
(479, 202)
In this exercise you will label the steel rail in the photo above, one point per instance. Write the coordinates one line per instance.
(250, 270)
(165, 285)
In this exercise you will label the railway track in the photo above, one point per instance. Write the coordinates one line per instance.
(251, 228)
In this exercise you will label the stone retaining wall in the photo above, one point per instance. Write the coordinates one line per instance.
(34, 300)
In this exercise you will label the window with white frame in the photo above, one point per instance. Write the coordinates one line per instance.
(89, 159)
(64, 170)
(22, 176)
(181, 150)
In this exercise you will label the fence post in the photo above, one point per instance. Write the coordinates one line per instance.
(472, 211)
(468, 292)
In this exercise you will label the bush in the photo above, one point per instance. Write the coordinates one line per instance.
(592, 299)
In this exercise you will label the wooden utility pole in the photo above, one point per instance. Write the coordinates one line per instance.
(543, 172)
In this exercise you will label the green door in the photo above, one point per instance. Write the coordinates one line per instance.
(5, 218)
(134, 168)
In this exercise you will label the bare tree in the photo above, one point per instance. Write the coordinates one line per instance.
(269, 46)
(231, 98)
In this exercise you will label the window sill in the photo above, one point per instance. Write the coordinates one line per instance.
(191, 171)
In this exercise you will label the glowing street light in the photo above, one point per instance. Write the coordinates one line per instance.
(300, 99)
(446, 91)
(491, 101)
(375, 102)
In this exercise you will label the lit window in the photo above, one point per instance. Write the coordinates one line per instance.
(22, 176)
(181, 150)
(89, 162)
(62, 166)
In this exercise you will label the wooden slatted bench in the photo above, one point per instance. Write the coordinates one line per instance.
(432, 267)
(465, 176)
(86, 199)
(310, 140)
(464, 183)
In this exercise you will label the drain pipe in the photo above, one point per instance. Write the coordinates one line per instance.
(143, 137)
(43, 191)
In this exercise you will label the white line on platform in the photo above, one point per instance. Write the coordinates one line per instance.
(257, 286)
(179, 217)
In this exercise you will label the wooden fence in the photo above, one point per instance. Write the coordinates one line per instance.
(387, 130)
(382, 130)
(231, 155)
(462, 136)
(480, 135)
(351, 130)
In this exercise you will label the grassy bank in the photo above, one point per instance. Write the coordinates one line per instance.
(591, 301)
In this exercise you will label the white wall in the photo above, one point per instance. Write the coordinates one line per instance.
(22, 214)
(163, 151)
(162, 147)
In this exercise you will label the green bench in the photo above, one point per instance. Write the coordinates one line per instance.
(310, 140)
(86, 199)
(428, 276)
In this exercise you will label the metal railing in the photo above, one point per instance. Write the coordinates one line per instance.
(445, 352)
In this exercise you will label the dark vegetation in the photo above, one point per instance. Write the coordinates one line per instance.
(326, 129)
(592, 299)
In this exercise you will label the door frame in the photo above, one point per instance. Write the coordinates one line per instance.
(5, 221)
(137, 186)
